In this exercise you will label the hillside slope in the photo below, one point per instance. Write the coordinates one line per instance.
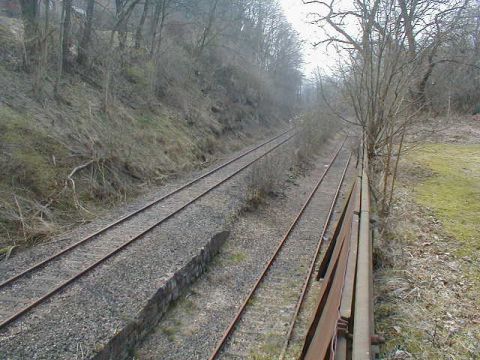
(71, 151)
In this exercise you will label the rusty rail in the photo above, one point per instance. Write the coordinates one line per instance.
(231, 328)
(121, 220)
(305, 288)
(342, 325)
(362, 328)
(59, 287)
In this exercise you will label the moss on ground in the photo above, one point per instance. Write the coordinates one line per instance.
(238, 257)
(453, 191)
(29, 153)
(268, 348)
(123, 151)
(33, 167)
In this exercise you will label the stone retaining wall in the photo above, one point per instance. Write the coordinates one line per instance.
(121, 345)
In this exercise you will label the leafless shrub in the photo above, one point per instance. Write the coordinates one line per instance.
(267, 176)
(314, 129)
(25, 219)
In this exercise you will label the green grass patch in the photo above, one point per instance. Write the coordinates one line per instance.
(453, 190)
(136, 75)
(169, 332)
(231, 257)
(238, 257)
(427, 312)
(29, 153)
(269, 348)
(7, 38)
(33, 168)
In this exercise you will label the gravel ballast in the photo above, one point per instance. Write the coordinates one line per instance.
(81, 321)
(197, 321)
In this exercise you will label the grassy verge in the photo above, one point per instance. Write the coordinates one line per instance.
(453, 192)
(428, 272)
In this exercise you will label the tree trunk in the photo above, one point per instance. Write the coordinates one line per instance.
(162, 25)
(41, 68)
(60, 56)
(67, 23)
(138, 35)
(407, 21)
(122, 23)
(421, 91)
(83, 51)
(207, 29)
(159, 15)
(46, 31)
(30, 38)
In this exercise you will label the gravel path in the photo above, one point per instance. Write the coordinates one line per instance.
(79, 321)
(193, 327)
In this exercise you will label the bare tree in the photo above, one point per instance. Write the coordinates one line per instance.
(138, 34)
(83, 49)
(31, 32)
(389, 64)
(66, 29)
(253, 30)
(158, 23)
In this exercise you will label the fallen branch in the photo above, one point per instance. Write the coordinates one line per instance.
(22, 221)
(78, 168)
(72, 182)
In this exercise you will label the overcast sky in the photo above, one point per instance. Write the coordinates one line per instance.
(297, 13)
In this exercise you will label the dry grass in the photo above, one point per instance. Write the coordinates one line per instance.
(314, 129)
(68, 158)
(427, 303)
(268, 175)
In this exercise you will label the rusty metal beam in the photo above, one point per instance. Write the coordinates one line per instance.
(321, 346)
(326, 315)
(311, 270)
(347, 303)
(362, 329)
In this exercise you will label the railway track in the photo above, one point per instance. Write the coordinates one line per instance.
(342, 324)
(273, 300)
(27, 289)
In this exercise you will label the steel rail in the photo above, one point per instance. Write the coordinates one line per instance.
(311, 269)
(342, 325)
(132, 214)
(75, 277)
(240, 312)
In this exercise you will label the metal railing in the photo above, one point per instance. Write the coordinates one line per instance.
(342, 325)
